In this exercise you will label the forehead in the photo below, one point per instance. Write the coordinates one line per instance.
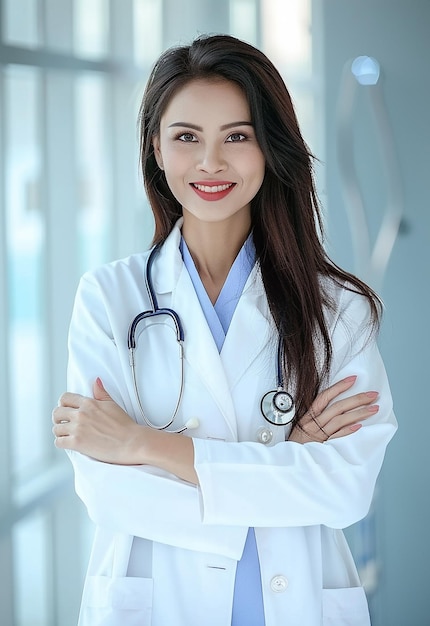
(216, 99)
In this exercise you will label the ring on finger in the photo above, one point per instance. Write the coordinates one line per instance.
(310, 437)
(314, 419)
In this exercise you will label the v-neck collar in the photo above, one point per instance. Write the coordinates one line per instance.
(219, 315)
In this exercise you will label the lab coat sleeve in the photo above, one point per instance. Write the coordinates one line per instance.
(293, 484)
(137, 500)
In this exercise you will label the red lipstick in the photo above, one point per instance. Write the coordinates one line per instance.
(212, 190)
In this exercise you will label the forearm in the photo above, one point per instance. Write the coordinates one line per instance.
(291, 484)
(171, 452)
(137, 500)
(102, 430)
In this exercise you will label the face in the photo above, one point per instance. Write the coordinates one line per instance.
(208, 151)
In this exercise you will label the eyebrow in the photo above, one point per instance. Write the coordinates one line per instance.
(199, 128)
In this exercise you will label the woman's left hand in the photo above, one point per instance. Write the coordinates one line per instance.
(329, 418)
(97, 427)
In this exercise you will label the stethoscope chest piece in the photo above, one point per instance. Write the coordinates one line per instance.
(277, 407)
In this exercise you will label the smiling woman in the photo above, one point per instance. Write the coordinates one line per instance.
(212, 156)
(235, 517)
(214, 167)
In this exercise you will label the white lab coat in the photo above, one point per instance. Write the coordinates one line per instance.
(165, 552)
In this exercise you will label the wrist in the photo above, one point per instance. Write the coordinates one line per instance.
(171, 452)
(139, 445)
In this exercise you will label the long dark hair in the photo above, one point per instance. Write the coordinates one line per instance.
(286, 219)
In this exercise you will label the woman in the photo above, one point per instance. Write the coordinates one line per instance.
(233, 521)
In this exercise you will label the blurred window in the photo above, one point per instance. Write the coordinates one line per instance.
(70, 199)
(148, 28)
(72, 74)
(287, 41)
(19, 30)
(244, 20)
(25, 236)
(91, 28)
(93, 165)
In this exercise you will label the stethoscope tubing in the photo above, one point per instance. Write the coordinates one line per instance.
(276, 414)
(131, 338)
(156, 311)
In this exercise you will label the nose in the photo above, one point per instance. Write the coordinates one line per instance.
(211, 160)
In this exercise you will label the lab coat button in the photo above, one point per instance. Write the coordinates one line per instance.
(278, 584)
(264, 435)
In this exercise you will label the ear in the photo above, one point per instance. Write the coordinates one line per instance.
(157, 151)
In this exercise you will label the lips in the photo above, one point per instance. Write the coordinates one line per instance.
(212, 190)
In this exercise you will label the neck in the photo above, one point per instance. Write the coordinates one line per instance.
(214, 247)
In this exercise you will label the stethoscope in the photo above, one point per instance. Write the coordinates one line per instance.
(277, 406)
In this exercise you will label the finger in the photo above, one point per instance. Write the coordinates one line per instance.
(61, 430)
(344, 432)
(72, 400)
(328, 395)
(350, 419)
(302, 434)
(346, 405)
(319, 427)
(64, 442)
(62, 414)
(352, 402)
(99, 392)
(311, 427)
(317, 423)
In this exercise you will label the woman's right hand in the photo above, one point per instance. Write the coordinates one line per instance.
(327, 419)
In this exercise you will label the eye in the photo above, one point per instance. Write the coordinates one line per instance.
(186, 137)
(236, 137)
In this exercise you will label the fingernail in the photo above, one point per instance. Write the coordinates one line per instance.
(355, 427)
(350, 379)
(99, 383)
(372, 394)
(374, 408)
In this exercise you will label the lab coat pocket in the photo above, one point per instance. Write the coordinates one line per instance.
(119, 601)
(345, 607)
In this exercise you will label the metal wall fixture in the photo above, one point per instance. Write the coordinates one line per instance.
(371, 261)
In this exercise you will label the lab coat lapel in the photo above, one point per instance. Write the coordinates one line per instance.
(200, 349)
(250, 331)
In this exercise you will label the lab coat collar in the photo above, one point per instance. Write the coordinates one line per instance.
(168, 266)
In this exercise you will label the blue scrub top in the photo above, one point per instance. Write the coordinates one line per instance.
(248, 607)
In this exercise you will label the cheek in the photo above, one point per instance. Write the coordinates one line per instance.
(177, 170)
(261, 161)
(175, 160)
(173, 171)
(252, 159)
(175, 174)
(259, 167)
